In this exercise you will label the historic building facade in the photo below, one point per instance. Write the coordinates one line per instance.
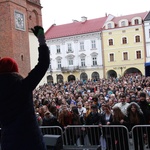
(76, 50)
(18, 17)
(124, 45)
(115, 48)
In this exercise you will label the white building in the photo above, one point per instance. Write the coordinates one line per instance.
(76, 50)
(147, 43)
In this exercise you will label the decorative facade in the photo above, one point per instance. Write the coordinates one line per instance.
(114, 49)
(76, 50)
(124, 45)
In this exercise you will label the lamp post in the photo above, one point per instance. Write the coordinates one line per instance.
(121, 68)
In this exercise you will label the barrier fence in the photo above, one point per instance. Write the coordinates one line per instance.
(112, 137)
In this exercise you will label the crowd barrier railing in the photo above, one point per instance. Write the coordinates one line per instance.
(114, 137)
(141, 137)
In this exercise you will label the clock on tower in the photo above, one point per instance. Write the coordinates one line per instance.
(19, 20)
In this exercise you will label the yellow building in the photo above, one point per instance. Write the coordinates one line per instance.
(123, 45)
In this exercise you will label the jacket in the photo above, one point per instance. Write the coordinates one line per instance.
(20, 130)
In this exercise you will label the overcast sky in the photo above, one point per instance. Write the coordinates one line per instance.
(64, 11)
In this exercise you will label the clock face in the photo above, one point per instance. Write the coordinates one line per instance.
(19, 21)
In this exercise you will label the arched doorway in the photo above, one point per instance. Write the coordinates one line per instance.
(49, 79)
(95, 76)
(111, 73)
(60, 78)
(132, 71)
(83, 77)
(71, 78)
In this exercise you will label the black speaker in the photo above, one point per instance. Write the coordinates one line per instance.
(53, 142)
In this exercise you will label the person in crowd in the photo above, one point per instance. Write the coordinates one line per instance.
(106, 119)
(20, 130)
(122, 104)
(50, 120)
(65, 116)
(82, 112)
(119, 136)
(133, 98)
(145, 107)
(94, 118)
(136, 117)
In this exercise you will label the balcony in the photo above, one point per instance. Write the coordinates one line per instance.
(69, 51)
(70, 69)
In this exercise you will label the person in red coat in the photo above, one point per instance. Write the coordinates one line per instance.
(20, 129)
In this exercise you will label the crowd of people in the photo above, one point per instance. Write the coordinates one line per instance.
(114, 101)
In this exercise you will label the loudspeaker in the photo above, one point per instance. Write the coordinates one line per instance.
(53, 142)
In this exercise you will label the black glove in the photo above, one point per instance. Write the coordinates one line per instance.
(39, 33)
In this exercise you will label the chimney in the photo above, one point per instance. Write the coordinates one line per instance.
(75, 20)
(83, 19)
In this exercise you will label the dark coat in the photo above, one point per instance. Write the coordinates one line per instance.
(145, 107)
(93, 119)
(20, 130)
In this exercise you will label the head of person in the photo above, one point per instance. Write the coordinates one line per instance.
(107, 108)
(133, 107)
(122, 98)
(8, 65)
(133, 98)
(79, 104)
(142, 96)
(94, 109)
(95, 100)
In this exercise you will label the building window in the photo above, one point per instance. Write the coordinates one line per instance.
(50, 66)
(125, 55)
(82, 62)
(69, 47)
(59, 64)
(70, 62)
(138, 55)
(93, 44)
(136, 21)
(123, 23)
(111, 42)
(124, 40)
(94, 59)
(109, 25)
(81, 45)
(111, 57)
(137, 38)
(58, 48)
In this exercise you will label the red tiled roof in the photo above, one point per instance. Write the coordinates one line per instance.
(75, 28)
(129, 17)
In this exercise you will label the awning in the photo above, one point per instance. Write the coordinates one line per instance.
(147, 64)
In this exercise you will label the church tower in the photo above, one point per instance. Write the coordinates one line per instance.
(17, 17)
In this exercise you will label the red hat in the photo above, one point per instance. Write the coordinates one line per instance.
(8, 65)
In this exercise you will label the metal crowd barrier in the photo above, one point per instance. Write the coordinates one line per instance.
(82, 137)
(114, 137)
(141, 137)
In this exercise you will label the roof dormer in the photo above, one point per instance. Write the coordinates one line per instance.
(136, 20)
(123, 23)
(109, 25)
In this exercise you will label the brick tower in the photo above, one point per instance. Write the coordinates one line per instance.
(17, 17)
